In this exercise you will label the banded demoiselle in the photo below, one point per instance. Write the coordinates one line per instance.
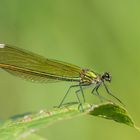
(34, 67)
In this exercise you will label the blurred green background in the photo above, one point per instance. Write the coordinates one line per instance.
(100, 35)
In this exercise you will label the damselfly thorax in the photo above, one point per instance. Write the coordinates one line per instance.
(89, 77)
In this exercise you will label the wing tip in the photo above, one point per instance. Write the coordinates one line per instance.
(2, 46)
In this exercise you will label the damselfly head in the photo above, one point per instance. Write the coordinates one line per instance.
(107, 77)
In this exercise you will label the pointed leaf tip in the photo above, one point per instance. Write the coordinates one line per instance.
(114, 112)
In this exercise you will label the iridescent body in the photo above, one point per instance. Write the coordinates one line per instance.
(36, 68)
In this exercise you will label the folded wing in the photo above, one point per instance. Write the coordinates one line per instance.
(34, 67)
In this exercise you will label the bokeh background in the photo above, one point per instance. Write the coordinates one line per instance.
(102, 35)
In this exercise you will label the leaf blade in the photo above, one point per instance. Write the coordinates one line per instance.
(33, 122)
(113, 112)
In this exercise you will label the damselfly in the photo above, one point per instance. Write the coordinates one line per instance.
(34, 67)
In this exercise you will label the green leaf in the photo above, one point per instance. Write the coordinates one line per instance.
(113, 112)
(12, 136)
(23, 126)
(34, 137)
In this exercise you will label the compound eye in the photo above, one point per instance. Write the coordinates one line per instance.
(107, 75)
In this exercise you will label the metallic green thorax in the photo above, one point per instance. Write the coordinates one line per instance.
(88, 76)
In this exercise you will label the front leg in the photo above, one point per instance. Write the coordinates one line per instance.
(96, 93)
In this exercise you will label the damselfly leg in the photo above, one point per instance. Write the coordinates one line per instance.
(77, 95)
(107, 90)
(96, 93)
